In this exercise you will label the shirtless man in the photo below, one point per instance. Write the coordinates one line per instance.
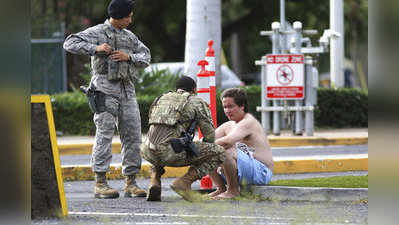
(248, 156)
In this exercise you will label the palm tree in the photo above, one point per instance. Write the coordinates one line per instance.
(203, 24)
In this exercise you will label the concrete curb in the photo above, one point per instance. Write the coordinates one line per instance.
(84, 172)
(275, 141)
(84, 148)
(282, 193)
(281, 166)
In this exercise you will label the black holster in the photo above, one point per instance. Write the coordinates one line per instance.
(96, 99)
(184, 143)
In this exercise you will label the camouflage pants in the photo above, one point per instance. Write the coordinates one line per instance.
(123, 112)
(211, 156)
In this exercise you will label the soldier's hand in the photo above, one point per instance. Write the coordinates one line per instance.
(119, 56)
(104, 48)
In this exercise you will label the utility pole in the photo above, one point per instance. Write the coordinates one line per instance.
(337, 45)
(203, 24)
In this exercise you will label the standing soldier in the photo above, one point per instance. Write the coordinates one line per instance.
(173, 119)
(116, 53)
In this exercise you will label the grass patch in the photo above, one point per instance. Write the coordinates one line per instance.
(331, 182)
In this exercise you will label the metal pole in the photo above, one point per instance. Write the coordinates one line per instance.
(64, 66)
(276, 40)
(284, 115)
(309, 96)
(337, 45)
(284, 49)
(283, 27)
(265, 103)
(298, 46)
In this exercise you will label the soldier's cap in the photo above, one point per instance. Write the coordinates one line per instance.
(119, 9)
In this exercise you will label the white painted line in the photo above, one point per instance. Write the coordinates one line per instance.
(207, 216)
(325, 148)
(157, 223)
(322, 157)
(174, 215)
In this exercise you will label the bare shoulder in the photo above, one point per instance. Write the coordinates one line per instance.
(252, 119)
(252, 123)
(249, 120)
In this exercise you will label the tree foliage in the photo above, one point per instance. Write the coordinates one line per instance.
(161, 25)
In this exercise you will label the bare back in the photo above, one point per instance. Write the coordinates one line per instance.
(250, 132)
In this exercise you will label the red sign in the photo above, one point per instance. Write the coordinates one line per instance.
(284, 59)
(284, 92)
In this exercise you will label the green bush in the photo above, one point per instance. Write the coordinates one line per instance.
(346, 107)
(335, 109)
(72, 114)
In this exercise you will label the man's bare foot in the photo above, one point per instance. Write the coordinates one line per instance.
(217, 192)
(226, 195)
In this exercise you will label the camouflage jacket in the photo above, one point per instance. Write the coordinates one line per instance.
(86, 42)
(185, 106)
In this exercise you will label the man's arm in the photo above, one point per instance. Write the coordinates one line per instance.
(221, 130)
(141, 57)
(239, 132)
(83, 43)
(204, 119)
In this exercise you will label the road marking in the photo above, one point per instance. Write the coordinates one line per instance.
(157, 223)
(325, 148)
(322, 157)
(174, 215)
(207, 216)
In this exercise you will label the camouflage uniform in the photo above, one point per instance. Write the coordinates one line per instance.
(156, 148)
(120, 101)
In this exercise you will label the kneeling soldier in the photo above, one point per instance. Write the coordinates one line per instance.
(169, 139)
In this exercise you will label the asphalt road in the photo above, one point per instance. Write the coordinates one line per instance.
(277, 152)
(84, 209)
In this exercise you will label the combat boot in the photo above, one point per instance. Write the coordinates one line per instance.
(102, 189)
(182, 185)
(131, 188)
(155, 187)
